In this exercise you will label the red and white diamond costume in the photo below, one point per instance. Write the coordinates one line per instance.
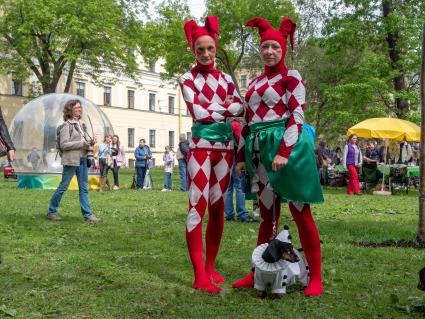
(205, 90)
(279, 94)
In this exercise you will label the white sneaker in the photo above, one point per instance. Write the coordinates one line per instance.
(164, 190)
(256, 212)
(116, 188)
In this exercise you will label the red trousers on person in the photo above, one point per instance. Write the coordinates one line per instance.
(353, 180)
(208, 180)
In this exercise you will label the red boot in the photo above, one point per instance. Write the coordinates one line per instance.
(201, 279)
(315, 287)
(310, 241)
(245, 282)
(212, 274)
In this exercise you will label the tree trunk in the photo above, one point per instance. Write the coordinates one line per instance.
(399, 82)
(229, 69)
(70, 76)
(421, 225)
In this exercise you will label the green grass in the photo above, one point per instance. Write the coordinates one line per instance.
(135, 263)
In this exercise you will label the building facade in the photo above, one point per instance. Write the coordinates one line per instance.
(152, 109)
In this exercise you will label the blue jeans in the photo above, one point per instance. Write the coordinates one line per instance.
(141, 172)
(167, 180)
(83, 187)
(235, 182)
(183, 174)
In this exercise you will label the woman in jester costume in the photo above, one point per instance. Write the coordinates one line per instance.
(276, 151)
(211, 98)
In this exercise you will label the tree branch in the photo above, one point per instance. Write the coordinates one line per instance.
(70, 76)
(25, 58)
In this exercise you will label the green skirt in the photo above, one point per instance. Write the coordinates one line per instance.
(298, 181)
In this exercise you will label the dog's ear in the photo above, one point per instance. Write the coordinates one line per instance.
(273, 252)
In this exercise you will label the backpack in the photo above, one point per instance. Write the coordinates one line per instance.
(58, 140)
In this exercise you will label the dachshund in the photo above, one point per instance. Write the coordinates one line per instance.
(278, 265)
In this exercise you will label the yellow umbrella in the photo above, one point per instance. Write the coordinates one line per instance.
(386, 127)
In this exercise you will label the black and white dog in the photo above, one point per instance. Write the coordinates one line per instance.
(278, 265)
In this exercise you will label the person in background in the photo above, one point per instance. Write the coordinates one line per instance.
(405, 155)
(142, 154)
(147, 183)
(338, 156)
(381, 151)
(371, 156)
(4, 134)
(34, 158)
(321, 155)
(118, 159)
(104, 154)
(74, 144)
(321, 160)
(352, 160)
(168, 159)
(181, 156)
(416, 155)
(235, 183)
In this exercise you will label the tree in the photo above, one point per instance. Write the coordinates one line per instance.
(163, 37)
(420, 235)
(50, 37)
(168, 39)
(388, 31)
(235, 39)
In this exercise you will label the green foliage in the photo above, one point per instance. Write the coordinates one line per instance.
(165, 36)
(235, 38)
(349, 72)
(135, 263)
(49, 37)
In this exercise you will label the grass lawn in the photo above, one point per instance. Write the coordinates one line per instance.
(135, 264)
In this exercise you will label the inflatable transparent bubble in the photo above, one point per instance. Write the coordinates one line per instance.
(33, 131)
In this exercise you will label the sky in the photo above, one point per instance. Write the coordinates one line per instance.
(197, 7)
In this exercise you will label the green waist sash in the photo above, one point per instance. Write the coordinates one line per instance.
(298, 181)
(215, 132)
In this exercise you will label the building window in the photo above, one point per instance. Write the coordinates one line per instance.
(171, 100)
(152, 97)
(130, 98)
(189, 135)
(107, 95)
(243, 82)
(131, 137)
(81, 89)
(35, 88)
(16, 87)
(152, 66)
(151, 138)
(171, 138)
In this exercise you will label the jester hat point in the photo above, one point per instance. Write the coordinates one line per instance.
(193, 31)
(267, 32)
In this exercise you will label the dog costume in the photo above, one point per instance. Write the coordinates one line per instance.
(280, 274)
(275, 117)
(210, 156)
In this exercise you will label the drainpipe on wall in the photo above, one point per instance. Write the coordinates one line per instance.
(180, 111)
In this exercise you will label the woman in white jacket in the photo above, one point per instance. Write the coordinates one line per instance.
(352, 160)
